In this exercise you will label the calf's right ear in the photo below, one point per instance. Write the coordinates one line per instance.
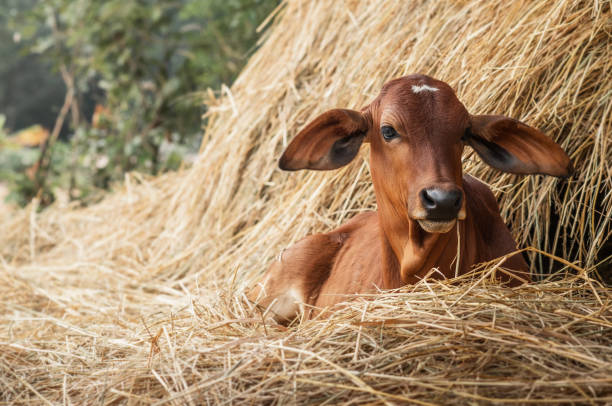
(331, 141)
(512, 146)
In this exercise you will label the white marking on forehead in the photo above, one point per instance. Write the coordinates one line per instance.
(423, 88)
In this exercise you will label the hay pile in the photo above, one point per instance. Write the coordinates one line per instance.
(138, 299)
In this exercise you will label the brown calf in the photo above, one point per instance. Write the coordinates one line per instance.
(417, 129)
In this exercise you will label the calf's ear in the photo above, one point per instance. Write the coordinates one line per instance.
(512, 146)
(330, 141)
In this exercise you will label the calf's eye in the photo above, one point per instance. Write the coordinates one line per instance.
(388, 132)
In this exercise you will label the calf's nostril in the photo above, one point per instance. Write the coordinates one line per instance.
(457, 203)
(427, 200)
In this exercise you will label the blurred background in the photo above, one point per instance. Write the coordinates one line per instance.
(90, 90)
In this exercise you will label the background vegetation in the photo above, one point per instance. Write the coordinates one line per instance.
(115, 83)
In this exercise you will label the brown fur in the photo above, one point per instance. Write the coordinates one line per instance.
(391, 247)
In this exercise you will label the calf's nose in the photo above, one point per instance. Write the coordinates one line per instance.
(441, 204)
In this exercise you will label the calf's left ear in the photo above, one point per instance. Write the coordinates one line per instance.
(512, 146)
(330, 141)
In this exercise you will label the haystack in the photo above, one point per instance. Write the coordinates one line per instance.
(139, 299)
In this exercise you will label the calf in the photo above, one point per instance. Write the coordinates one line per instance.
(417, 130)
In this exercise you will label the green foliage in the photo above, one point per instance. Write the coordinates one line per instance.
(28, 90)
(14, 162)
(149, 58)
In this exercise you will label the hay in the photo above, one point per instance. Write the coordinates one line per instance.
(430, 344)
(138, 298)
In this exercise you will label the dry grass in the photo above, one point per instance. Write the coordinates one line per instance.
(430, 344)
(138, 299)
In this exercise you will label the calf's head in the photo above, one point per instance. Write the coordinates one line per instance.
(417, 129)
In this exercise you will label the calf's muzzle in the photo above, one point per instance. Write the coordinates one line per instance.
(441, 204)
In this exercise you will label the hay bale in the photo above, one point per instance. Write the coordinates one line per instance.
(138, 298)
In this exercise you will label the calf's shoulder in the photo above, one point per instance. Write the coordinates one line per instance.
(301, 270)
